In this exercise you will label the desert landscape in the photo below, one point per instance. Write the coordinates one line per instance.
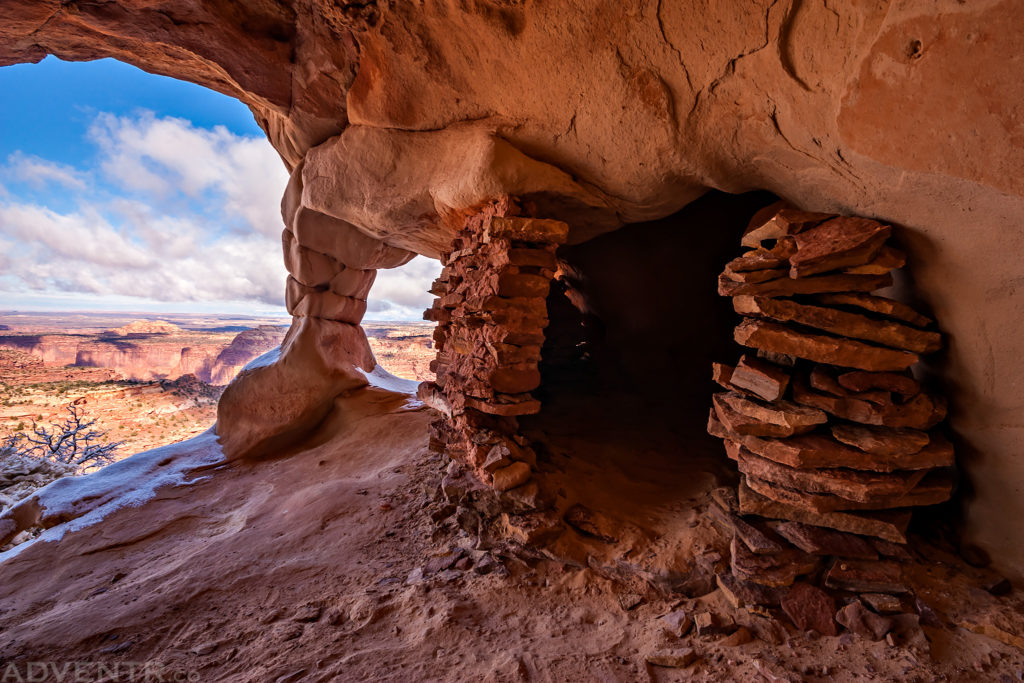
(148, 381)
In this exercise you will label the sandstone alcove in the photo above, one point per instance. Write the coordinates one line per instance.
(629, 134)
(625, 380)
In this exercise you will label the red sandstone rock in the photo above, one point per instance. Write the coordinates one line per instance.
(754, 276)
(840, 323)
(922, 411)
(755, 260)
(810, 608)
(767, 380)
(863, 622)
(806, 285)
(873, 490)
(525, 229)
(876, 304)
(821, 378)
(890, 525)
(813, 450)
(881, 440)
(515, 380)
(516, 474)
(741, 593)
(837, 243)
(773, 570)
(882, 603)
(881, 576)
(777, 221)
(859, 381)
(820, 348)
(887, 258)
(523, 285)
(818, 540)
(757, 538)
(779, 418)
(933, 489)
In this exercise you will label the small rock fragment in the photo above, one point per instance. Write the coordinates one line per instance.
(677, 623)
(673, 659)
(709, 623)
(810, 607)
(882, 602)
(739, 637)
(516, 474)
(864, 622)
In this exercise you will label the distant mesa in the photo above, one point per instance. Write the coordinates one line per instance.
(146, 327)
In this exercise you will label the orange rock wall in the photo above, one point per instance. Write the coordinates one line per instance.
(604, 113)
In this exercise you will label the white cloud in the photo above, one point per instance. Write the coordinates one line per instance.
(169, 213)
(37, 172)
(82, 252)
(161, 156)
(401, 293)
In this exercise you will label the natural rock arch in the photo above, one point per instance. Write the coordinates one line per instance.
(396, 120)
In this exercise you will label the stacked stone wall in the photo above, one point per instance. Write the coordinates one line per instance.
(491, 313)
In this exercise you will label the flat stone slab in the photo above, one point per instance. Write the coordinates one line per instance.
(759, 259)
(881, 440)
(860, 381)
(888, 258)
(805, 285)
(746, 425)
(752, 534)
(784, 414)
(774, 570)
(861, 576)
(933, 489)
(820, 348)
(889, 525)
(841, 323)
(818, 540)
(876, 304)
(921, 412)
(526, 230)
(754, 276)
(740, 593)
(775, 222)
(877, 489)
(817, 451)
(822, 379)
(837, 243)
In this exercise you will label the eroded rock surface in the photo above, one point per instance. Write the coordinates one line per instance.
(408, 116)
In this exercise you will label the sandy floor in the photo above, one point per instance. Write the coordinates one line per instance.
(325, 564)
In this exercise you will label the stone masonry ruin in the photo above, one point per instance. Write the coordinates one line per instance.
(835, 439)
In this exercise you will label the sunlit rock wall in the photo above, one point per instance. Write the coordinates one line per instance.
(409, 115)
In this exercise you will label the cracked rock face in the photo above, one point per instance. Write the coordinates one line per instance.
(398, 120)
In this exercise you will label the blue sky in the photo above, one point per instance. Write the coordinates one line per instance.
(120, 190)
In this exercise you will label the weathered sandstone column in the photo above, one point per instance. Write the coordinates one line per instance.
(331, 268)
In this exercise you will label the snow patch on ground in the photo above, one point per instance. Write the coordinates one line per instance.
(88, 499)
(269, 358)
(382, 379)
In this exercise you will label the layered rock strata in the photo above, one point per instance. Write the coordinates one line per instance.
(835, 440)
(491, 313)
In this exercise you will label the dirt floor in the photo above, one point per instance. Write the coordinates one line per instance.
(342, 561)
